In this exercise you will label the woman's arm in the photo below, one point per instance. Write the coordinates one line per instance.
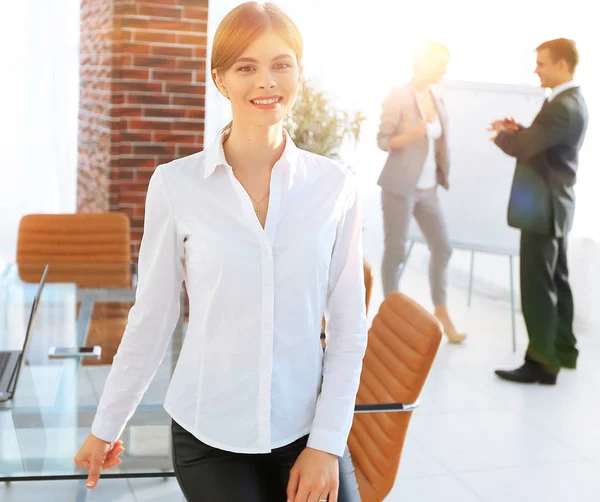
(345, 313)
(151, 320)
(410, 134)
(391, 111)
(395, 131)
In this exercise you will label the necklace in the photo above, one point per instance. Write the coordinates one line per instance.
(257, 203)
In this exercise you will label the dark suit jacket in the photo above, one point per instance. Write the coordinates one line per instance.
(542, 198)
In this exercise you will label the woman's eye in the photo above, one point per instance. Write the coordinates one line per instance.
(282, 66)
(246, 68)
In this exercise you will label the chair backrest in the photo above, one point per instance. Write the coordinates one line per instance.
(70, 243)
(403, 341)
(368, 271)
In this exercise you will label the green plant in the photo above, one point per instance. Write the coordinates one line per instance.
(316, 126)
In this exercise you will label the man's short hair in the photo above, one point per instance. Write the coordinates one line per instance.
(562, 48)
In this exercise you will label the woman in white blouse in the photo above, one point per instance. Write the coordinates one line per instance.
(267, 238)
(414, 130)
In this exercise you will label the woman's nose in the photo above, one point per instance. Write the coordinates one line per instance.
(266, 80)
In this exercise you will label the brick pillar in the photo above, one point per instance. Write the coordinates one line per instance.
(141, 98)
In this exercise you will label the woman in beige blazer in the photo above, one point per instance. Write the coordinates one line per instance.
(414, 130)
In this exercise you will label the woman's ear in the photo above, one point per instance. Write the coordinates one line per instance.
(218, 80)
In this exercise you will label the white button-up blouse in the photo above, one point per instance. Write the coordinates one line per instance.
(251, 375)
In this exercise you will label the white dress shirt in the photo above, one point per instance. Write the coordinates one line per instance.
(428, 178)
(561, 88)
(251, 375)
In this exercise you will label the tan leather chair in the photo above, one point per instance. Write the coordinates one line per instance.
(90, 249)
(403, 341)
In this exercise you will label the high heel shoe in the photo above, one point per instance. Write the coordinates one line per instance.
(451, 333)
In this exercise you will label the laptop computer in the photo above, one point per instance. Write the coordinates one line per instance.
(10, 361)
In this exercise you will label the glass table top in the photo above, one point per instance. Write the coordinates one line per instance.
(43, 425)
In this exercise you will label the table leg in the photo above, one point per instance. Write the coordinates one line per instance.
(472, 270)
(83, 493)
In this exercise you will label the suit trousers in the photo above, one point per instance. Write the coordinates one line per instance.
(547, 301)
(207, 474)
(397, 214)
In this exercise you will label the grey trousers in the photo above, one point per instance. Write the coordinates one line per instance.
(397, 213)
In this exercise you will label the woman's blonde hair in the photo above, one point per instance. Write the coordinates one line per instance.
(242, 26)
(427, 49)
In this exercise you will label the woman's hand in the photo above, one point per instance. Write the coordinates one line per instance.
(415, 131)
(96, 455)
(411, 132)
(314, 477)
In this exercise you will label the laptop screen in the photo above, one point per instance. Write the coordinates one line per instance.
(34, 307)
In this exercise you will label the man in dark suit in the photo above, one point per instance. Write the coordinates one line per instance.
(542, 203)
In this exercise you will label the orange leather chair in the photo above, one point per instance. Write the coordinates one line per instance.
(368, 271)
(403, 341)
(90, 249)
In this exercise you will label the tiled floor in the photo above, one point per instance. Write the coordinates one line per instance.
(474, 438)
(477, 438)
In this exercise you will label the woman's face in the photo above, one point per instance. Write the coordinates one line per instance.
(263, 83)
(433, 67)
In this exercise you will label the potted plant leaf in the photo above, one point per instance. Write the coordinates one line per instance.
(318, 127)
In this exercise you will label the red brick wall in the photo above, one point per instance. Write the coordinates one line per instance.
(142, 98)
(95, 126)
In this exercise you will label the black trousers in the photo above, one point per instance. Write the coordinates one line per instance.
(547, 301)
(207, 474)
